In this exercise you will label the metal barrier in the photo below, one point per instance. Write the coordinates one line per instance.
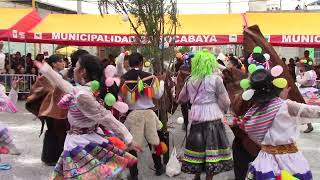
(25, 85)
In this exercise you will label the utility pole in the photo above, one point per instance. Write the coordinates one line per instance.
(79, 11)
(229, 6)
(33, 4)
(280, 5)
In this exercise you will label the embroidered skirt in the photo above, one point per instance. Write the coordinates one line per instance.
(5, 140)
(91, 156)
(269, 166)
(207, 149)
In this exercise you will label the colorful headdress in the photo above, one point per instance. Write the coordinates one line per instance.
(203, 64)
(263, 85)
(260, 59)
(111, 98)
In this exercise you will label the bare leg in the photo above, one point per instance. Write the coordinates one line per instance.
(197, 176)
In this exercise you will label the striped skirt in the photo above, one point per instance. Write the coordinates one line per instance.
(207, 149)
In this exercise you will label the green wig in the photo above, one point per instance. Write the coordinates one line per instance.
(203, 64)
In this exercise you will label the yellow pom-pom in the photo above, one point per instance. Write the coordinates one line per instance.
(280, 83)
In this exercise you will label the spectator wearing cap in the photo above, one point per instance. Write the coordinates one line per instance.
(42, 102)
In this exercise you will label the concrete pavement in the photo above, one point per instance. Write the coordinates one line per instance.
(28, 166)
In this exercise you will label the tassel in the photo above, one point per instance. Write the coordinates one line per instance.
(133, 97)
(124, 90)
(140, 86)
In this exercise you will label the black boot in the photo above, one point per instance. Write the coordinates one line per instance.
(309, 129)
(134, 169)
(158, 164)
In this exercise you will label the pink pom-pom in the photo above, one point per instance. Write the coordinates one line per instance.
(110, 71)
(121, 107)
(109, 82)
(276, 71)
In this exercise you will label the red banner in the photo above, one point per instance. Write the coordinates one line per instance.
(88, 39)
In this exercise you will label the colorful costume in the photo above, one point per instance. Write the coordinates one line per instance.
(207, 146)
(138, 90)
(274, 124)
(87, 152)
(307, 83)
(7, 104)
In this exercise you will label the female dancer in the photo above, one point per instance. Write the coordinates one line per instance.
(87, 154)
(274, 124)
(8, 104)
(207, 146)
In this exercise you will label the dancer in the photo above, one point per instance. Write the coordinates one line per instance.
(307, 78)
(207, 146)
(42, 102)
(274, 124)
(138, 90)
(184, 71)
(87, 154)
(8, 104)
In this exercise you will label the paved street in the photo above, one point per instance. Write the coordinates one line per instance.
(28, 165)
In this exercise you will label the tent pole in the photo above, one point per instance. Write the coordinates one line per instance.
(25, 55)
(9, 52)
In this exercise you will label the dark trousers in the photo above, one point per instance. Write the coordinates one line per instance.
(185, 112)
(241, 159)
(157, 160)
(53, 141)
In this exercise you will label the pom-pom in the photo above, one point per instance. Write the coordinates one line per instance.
(117, 142)
(179, 56)
(247, 95)
(257, 50)
(245, 83)
(121, 107)
(147, 64)
(95, 85)
(267, 56)
(280, 83)
(109, 99)
(310, 63)
(305, 61)
(110, 71)
(109, 82)
(180, 120)
(164, 147)
(276, 71)
(260, 67)
(252, 68)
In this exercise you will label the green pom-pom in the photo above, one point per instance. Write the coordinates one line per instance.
(161, 125)
(280, 83)
(245, 83)
(140, 85)
(305, 61)
(109, 99)
(257, 49)
(95, 85)
(252, 68)
(310, 63)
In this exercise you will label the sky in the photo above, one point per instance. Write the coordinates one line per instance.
(188, 6)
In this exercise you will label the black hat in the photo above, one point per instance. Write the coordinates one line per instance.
(263, 85)
(261, 82)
